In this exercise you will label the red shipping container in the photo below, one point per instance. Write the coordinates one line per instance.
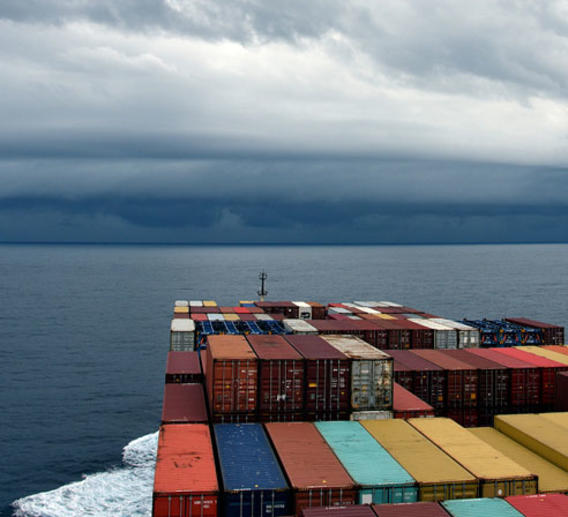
(183, 367)
(231, 375)
(184, 404)
(315, 474)
(281, 376)
(327, 377)
(247, 317)
(547, 368)
(404, 334)
(423, 509)
(466, 417)
(226, 310)
(355, 510)
(524, 392)
(552, 334)
(561, 400)
(241, 310)
(185, 479)
(541, 505)
(403, 375)
(407, 405)
(318, 310)
(255, 310)
(199, 317)
(429, 380)
(461, 378)
(205, 310)
(181, 315)
(287, 309)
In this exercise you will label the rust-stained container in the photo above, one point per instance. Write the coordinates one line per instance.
(185, 479)
(281, 377)
(561, 398)
(547, 369)
(541, 505)
(371, 373)
(407, 405)
(429, 380)
(183, 367)
(231, 377)
(314, 472)
(355, 510)
(184, 404)
(318, 310)
(461, 379)
(423, 509)
(552, 334)
(327, 378)
(524, 391)
(438, 476)
(498, 475)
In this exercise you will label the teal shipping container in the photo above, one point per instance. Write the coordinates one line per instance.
(480, 508)
(379, 476)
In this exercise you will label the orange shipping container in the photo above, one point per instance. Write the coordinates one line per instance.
(185, 481)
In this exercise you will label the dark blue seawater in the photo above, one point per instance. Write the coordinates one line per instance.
(84, 335)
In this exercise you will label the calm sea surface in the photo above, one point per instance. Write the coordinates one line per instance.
(84, 335)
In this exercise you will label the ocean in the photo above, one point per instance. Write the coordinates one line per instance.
(84, 333)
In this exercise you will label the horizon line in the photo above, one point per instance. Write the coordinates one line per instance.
(142, 243)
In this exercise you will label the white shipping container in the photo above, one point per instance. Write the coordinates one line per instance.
(371, 415)
(445, 338)
(182, 335)
(297, 326)
(263, 317)
(367, 303)
(390, 304)
(214, 316)
(196, 303)
(338, 310)
(304, 310)
(181, 303)
(468, 337)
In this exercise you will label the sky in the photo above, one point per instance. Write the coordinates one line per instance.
(327, 121)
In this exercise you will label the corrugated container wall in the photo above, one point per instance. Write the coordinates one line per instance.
(314, 472)
(252, 479)
(355, 510)
(542, 505)
(184, 404)
(410, 510)
(371, 373)
(379, 476)
(185, 480)
(481, 508)
(183, 367)
(182, 335)
(408, 405)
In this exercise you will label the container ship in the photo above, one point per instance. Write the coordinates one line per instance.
(364, 408)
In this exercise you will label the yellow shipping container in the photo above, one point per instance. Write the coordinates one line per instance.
(543, 352)
(231, 317)
(181, 310)
(386, 316)
(550, 477)
(560, 419)
(538, 434)
(209, 303)
(498, 475)
(245, 302)
(438, 476)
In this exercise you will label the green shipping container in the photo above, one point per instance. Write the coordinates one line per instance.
(380, 477)
(488, 507)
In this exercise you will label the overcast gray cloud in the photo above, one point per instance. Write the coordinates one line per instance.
(267, 121)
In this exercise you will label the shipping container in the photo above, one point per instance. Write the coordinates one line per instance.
(461, 381)
(181, 310)
(185, 480)
(181, 315)
(231, 375)
(261, 316)
(318, 310)
(183, 367)
(488, 507)
(423, 509)
(364, 329)
(524, 391)
(429, 380)
(378, 475)
(209, 303)
(550, 477)
(184, 404)
(444, 337)
(285, 308)
(370, 415)
(547, 369)
(195, 303)
(304, 310)
(403, 375)
(552, 334)
(560, 349)
(553, 355)
(404, 334)
(468, 336)
(541, 505)
(182, 335)
(542, 436)
(315, 474)
(355, 510)
(560, 418)
(407, 405)
(280, 376)
(438, 476)
(181, 303)
(327, 378)
(230, 316)
(371, 373)
(498, 475)
(299, 327)
(561, 397)
(253, 481)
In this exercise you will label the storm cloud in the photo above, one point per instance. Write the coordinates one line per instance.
(246, 121)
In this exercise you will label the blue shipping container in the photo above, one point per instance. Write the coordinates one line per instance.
(480, 508)
(252, 479)
(379, 475)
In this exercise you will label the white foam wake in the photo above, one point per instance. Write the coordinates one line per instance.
(124, 491)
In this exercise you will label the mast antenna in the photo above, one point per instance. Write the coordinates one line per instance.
(262, 292)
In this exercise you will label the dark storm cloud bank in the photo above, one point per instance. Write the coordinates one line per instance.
(286, 201)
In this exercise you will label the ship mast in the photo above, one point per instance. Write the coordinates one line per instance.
(262, 292)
